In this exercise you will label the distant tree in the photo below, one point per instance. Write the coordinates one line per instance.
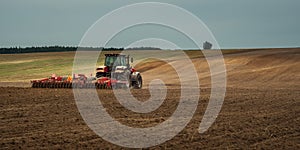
(207, 45)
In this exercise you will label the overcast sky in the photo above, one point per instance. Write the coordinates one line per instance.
(234, 23)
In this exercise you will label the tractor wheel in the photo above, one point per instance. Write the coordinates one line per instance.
(138, 84)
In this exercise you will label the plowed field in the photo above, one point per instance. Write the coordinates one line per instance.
(261, 108)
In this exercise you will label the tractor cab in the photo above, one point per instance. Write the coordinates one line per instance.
(113, 62)
(116, 60)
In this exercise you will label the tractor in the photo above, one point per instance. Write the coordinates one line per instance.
(118, 71)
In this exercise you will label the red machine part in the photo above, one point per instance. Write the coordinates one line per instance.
(132, 70)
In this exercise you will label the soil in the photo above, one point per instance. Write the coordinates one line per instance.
(261, 109)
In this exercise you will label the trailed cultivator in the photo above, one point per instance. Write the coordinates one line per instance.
(116, 73)
(77, 81)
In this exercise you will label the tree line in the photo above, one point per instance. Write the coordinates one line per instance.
(17, 50)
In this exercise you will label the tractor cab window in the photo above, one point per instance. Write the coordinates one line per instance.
(115, 61)
(109, 60)
(121, 61)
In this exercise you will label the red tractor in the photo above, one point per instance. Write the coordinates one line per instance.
(118, 73)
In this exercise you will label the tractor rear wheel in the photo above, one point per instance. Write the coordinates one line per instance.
(138, 84)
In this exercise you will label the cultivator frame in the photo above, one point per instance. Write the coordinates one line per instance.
(81, 82)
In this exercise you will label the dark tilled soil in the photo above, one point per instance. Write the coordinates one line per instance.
(48, 118)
